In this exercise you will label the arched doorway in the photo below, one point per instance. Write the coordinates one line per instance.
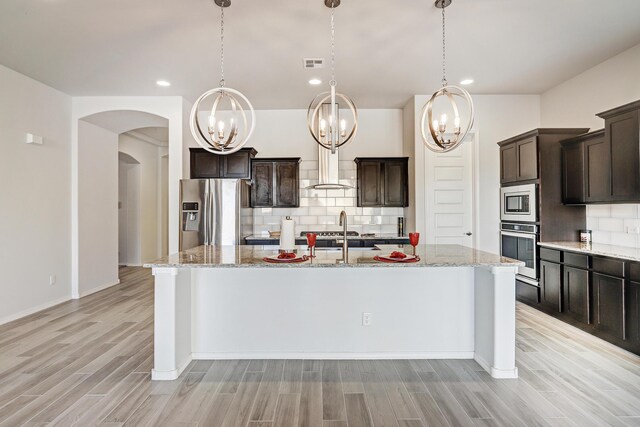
(111, 154)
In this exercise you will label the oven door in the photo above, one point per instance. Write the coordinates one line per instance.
(522, 247)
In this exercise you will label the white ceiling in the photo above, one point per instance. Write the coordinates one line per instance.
(387, 50)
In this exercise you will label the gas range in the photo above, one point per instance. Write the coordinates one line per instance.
(329, 233)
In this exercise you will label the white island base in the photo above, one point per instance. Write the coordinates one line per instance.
(287, 312)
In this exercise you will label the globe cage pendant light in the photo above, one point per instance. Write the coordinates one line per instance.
(217, 135)
(324, 124)
(434, 130)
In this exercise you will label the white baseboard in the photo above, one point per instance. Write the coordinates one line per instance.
(334, 356)
(496, 373)
(170, 375)
(98, 289)
(33, 310)
(504, 374)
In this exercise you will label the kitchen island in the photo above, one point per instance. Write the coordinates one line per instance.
(227, 303)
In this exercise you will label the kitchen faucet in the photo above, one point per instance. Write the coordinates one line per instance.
(345, 243)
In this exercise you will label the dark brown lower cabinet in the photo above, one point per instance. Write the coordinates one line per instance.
(608, 305)
(633, 315)
(598, 294)
(551, 285)
(576, 299)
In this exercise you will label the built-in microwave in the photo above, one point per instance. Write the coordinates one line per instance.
(519, 203)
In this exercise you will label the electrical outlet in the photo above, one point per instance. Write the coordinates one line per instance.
(52, 279)
(367, 318)
(633, 230)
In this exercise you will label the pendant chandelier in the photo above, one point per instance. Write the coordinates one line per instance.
(323, 120)
(217, 135)
(436, 133)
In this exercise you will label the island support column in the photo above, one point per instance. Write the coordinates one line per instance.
(172, 322)
(495, 321)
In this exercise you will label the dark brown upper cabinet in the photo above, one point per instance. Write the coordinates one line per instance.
(275, 183)
(383, 182)
(206, 165)
(519, 160)
(529, 156)
(586, 169)
(622, 138)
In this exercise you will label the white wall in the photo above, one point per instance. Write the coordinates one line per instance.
(497, 117)
(123, 225)
(575, 103)
(129, 234)
(97, 219)
(34, 195)
(148, 155)
(609, 84)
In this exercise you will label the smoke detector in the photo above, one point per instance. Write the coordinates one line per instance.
(313, 63)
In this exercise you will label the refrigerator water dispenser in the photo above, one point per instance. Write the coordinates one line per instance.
(190, 217)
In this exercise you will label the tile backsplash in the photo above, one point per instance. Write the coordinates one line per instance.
(614, 224)
(320, 209)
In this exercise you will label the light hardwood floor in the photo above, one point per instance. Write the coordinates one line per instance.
(87, 363)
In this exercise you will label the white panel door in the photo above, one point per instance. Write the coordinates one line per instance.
(450, 196)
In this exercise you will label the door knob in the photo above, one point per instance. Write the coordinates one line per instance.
(468, 233)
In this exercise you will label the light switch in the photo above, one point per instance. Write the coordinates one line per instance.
(34, 139)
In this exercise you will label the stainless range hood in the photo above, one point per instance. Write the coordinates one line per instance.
(328, 171)
(328, 164)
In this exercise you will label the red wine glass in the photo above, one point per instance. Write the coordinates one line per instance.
(311, 241)
(414, 239)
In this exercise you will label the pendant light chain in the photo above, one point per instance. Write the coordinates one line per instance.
(333, 47)
(222, 82)
(444, 50)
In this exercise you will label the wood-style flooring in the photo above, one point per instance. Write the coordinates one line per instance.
(87, 362)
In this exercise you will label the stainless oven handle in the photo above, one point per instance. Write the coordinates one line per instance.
(523, 234)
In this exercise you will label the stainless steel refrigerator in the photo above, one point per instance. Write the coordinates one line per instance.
(214, 212)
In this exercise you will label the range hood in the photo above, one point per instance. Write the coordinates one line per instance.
(328, 163)
(328, 171)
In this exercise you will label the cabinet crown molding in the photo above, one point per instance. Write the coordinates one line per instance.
(632, 106)
(544, 131)
(583, 137)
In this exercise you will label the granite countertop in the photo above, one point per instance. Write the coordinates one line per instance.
(613, 251)
(378, 236)
(244, 256)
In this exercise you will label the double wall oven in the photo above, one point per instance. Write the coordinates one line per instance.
(519, 229)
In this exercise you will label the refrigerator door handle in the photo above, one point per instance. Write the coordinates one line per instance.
(210, 217)
(205, 217)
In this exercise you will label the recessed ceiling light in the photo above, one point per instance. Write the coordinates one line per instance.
(466, 82)
(163, 83)
(315, 82)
